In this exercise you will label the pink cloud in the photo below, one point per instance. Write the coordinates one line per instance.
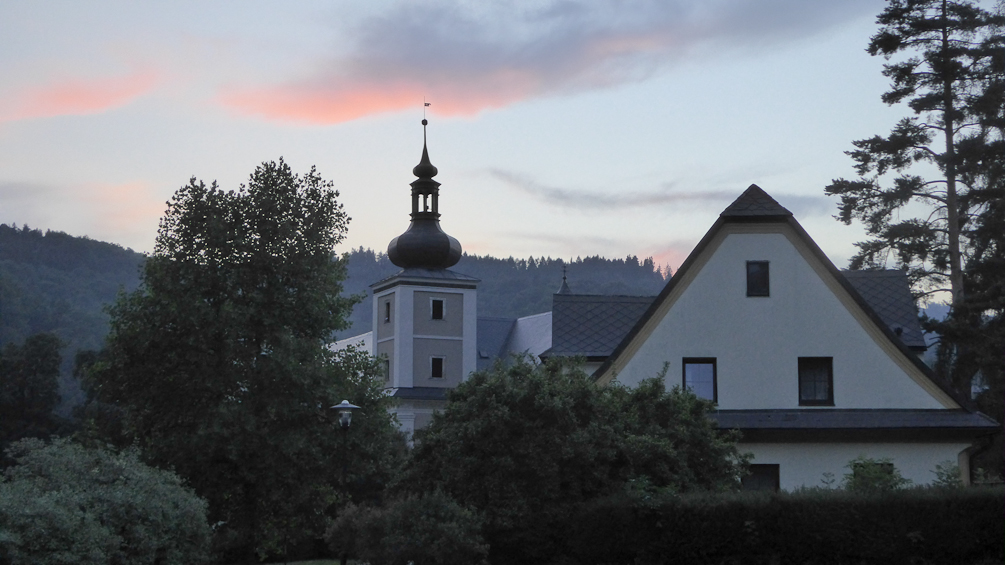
(324, 104)
(76, 96)
(126, 206)
(469, 59)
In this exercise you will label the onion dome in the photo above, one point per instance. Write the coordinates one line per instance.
(424, 245)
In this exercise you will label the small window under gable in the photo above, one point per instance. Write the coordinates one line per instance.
(758, 281)
(816, 381)
(436, 307)
(436, 367)
(699, 377)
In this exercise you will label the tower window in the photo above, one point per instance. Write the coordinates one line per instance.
(436, 367)
(387, 312)
(437, 308)
(385, 367)
(757, 278)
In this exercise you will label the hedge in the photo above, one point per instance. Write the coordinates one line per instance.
(818, 527)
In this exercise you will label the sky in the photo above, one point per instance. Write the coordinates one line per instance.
(560, 129)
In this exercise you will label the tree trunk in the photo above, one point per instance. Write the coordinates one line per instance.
(952, 207)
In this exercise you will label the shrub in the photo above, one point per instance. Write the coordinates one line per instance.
(64, 503)
(822, 527)
(430, 529)
(873, 476)
(947, 475)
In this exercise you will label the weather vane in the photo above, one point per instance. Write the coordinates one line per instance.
(424, 106)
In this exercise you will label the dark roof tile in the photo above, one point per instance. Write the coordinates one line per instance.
(888, 292)
(754, 202)
(592, 325)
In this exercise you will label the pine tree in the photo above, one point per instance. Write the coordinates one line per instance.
(950, 76)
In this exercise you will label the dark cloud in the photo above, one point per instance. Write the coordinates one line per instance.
(570, 198)
(667, 193)
(473, 56)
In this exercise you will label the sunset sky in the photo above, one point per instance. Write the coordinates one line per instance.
(560, 128)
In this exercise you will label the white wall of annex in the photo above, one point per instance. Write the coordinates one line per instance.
(804, 464)
(757, 340)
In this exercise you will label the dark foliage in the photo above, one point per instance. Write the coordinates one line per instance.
(219, 369)
(430, 529)
(63, 503)
(29, 382)
(819, 527)
(947, 63)
(524, 444)
(56, 283)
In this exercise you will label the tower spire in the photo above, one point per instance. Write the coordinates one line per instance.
(564, 289)
(424, 244)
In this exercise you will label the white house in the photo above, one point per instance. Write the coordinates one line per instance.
(815, 367)
(760, 321)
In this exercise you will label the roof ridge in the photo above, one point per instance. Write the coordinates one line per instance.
(754, 202)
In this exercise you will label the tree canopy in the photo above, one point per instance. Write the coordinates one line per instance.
(942, 214)
(947, 64)
(64, 503)
(29, 388)
(524, 444)
(220, 365)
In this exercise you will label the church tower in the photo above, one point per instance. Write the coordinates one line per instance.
(425, 316)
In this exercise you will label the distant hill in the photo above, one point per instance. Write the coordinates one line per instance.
(514, 287)
(58, 283)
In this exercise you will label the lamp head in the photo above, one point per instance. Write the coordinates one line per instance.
(345, 412)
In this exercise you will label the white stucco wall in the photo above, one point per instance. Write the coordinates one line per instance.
(757, 340)
(804, 464)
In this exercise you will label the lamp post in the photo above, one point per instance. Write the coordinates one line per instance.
(344, 419)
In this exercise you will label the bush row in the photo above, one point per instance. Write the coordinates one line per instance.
(815, 527)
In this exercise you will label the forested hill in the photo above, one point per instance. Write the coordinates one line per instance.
(515, 287)
(57, 283)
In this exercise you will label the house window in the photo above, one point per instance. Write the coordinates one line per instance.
(699, 377)
(761, 477)
(387, 312)
(816, 381)
(436, 367)
(437, 308)
(757, 278)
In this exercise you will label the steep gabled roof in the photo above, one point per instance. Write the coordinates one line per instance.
(888, 292)
(754, 202)
(492, 335)
(755, 206)
(591, 326)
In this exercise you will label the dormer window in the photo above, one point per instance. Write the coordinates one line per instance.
(757, 278)
(436, 307)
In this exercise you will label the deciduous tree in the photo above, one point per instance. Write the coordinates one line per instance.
(29, 387)
(220, 361)
(524, 444)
